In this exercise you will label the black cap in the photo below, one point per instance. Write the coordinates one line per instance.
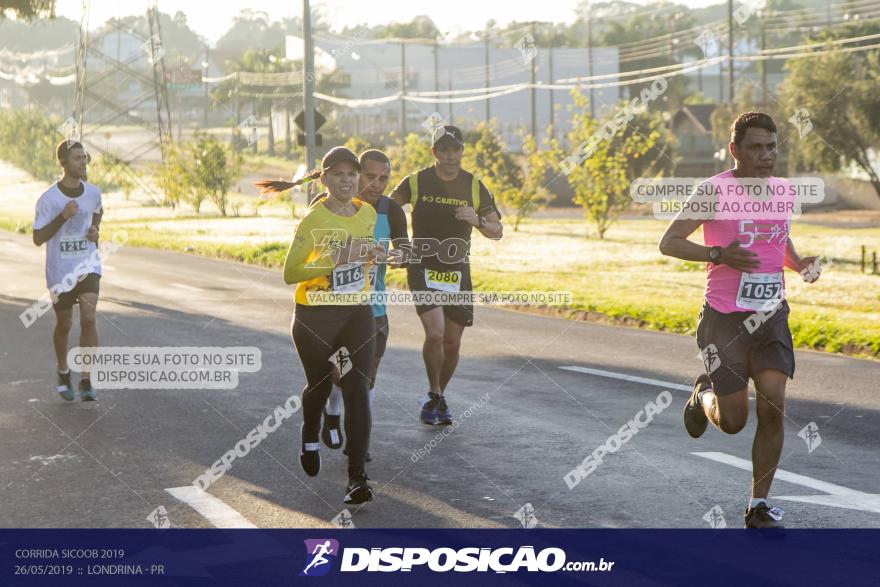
(338, 155)
(447, 133)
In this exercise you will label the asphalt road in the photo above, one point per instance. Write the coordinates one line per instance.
(111, 463)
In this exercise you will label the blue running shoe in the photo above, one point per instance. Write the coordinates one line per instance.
(444, 416)
(86, 391)
(65, 389)
(429, 409)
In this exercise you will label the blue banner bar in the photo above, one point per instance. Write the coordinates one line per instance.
(436, 557)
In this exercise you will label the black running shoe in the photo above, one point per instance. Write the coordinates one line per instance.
(763, 516)
(331, 432)
(429, 409)
(310, 456)
(368, 458)
(358, 490)
(444, 416)
(65, 388)
(695, 420)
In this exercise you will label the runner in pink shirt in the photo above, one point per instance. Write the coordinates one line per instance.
(743, 326)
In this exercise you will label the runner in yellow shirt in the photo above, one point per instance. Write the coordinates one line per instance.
(330, 256)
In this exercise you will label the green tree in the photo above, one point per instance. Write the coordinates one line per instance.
(213, 170)
(837, 94)
(649, 29)
(28, 139)
(173, 177)
(111, 173)
(487, 157)
(541, 169)
(358, 144)
(643, 147)
(27, 9)
(408, 156)
(252, 29)
(420, 27)
(257, 61)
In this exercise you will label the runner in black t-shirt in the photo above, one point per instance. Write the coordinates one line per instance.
(447, 203)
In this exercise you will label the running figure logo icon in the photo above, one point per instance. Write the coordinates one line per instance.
(526, 516)
(159, 518)
(715, 518)
(801, 120)
(317, 561)
(527, 48)
(341, 359)
(711, 358)
(810, 434)
(708, 43)
(343, 520)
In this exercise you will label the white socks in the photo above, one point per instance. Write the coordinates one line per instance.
(334, 402)
(756, 501)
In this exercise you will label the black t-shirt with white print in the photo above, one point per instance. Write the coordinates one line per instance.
(433, 215)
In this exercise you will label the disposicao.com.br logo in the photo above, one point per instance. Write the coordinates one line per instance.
(440, 560)
(318, 562)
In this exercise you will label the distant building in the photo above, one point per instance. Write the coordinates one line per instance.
(372, 69)
(692, 127)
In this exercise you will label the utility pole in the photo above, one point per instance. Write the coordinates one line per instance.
(486, 39)
(730, 48)
(308, 96)
(590, 60)
(402, 88)
(205, 83)
(534, 105)
(550, 75)
(236, 136)
(436, 75)
(449, 78)
(763, 62)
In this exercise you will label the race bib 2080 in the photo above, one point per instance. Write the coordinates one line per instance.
(443, 280)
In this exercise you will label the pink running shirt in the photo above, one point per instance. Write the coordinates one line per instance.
(729, 290)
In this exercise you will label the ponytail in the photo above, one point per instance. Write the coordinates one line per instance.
(273, 188)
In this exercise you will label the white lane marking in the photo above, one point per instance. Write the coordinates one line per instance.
(841, 497)
(210, 507)
(185, 286)
(23, 381)
(632, 378)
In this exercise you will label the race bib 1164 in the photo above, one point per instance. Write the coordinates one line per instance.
(349, 277)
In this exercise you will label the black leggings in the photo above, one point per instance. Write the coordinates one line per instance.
(318, 332)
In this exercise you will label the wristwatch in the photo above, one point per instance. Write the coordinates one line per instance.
(715, 254)
(483, 222)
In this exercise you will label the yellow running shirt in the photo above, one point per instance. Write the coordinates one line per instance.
(310, 257)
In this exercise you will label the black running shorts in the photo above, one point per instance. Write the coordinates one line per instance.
(90, 284)
(462, 314)
(739, 345)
